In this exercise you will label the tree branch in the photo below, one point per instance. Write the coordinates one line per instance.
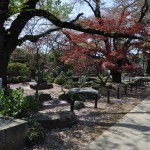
(16, 28)
(78, 27)
(144, 10)
(96, 11)
(78, 16)
(26, 15)
(34, 38)
(30, 4)
(90, 5)
(19, 23)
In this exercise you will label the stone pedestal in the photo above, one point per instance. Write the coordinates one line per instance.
(53, 120)
(42, 86)
(12, 134)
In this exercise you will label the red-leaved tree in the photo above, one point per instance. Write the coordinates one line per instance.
(86, 51)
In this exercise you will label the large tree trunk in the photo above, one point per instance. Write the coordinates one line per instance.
(3, 65)
(116, 76)
(4, 57)
(148, 67)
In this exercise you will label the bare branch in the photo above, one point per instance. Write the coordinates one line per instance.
(78, 27)
(34, 38)
(144, 10)
(90, 5)
(78, 16)
(26, 15)
(96, 11)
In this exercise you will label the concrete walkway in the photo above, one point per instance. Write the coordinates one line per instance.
(132, 132)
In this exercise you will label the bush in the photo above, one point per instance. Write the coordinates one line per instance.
(31, 105)
(15, 105)
(49, 78)
(70, 85)
(69, 73)
(96, 86)
(59, 81)
(36, 134)
(18, 79)
(32, 70)
(17, 69)
(14, 80)
(82, 81)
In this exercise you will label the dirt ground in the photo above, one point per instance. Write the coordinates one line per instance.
(92, 122)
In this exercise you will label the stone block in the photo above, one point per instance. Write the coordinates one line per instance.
(54, 120)
(12, 135)
(86, 92)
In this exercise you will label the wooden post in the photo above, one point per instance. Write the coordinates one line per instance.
(96, 101)
(131, 86)
(140, 82)
(118, 92)
(136, 85)
(72, 106)
(125, 89)
(108, 96)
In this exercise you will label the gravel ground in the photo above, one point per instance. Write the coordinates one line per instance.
(92, 122)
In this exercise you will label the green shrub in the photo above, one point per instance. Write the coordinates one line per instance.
(15, 105)
(25, 79)
(17, 69)
(49, 78)
(32, 70)
(18, 79)
(59, 80)
(96, 86)
(31, 105)
(14, 79)
(70, 85)
(82, 81)
(69, 73)
(36, 134)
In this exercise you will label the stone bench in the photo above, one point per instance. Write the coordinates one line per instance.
(142, 79)
(86, 93)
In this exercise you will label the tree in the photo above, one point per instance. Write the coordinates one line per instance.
(18, 13)
(99, 53)
(15, 16)
(108, 52)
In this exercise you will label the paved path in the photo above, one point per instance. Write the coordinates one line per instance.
(132, 132)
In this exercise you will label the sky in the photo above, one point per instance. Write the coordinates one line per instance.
(85, 8)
